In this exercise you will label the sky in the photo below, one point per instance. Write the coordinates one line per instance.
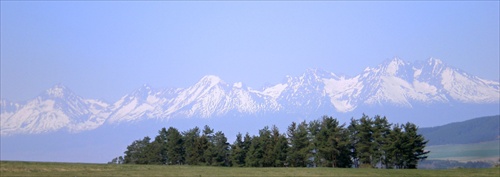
(104, 50)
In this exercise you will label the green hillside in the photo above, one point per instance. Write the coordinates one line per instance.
(471, 131)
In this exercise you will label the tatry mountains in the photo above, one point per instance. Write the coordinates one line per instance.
(421, 91)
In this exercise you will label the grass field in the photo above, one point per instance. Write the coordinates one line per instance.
(486, 151)
(75, 169)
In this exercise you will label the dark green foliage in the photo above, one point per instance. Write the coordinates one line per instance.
(137, 152)
(280, 148)
(299, 153)
(381, 140)
(191, 139)
(255, 153)
(365, 142)
(238, 152)
(220, 150)
(175, 147)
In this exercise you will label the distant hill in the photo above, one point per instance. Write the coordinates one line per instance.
(471, 131)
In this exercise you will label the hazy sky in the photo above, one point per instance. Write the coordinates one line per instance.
(107, 49)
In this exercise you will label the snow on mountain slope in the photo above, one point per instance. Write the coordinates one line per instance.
(211, 96)
(143, 102)
(57, 108)
(392, 83)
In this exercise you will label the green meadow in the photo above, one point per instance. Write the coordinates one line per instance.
(486, 151)
(77, 169)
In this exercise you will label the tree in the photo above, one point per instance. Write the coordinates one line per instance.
(365, 145)
(156, 151)
(220, 150)
(120, 160)
(255, 153)
(238, 152)
(333, 143)
(299, 152)
(191, 141)
(280, 147)
(136, 152)
(352, 135)
(413, 146)
(267, 148)
(175, 147)
(314, 129)
(381, 131)
(205, 146)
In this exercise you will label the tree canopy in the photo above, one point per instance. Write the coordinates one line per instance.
(366, 142)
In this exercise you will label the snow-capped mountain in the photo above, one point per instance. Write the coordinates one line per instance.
(53, 110)
(394, 83)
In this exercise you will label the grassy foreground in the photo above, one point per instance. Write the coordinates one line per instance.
(75, 169)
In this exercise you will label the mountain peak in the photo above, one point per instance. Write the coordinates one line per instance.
(58, 91)
(211, 80)
(391, 67)
(434, 61)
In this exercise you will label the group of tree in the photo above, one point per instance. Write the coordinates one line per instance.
(365, 142)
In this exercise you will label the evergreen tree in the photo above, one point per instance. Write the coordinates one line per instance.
(280, 147)
(255, 153)
(314, 129)
(267, 144)
(344, 159)
(395, 148)
(136, 153)
(333, 145)
(413, 146)
(220, 150)
(247, 142)
(381, 131)
(175, 147)
(156, 151)
(365, 145)
(238, 153)
(205, 146)
(299, 153)
(352, 131)
(191, 141)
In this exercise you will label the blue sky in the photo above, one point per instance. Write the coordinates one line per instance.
(107, 49)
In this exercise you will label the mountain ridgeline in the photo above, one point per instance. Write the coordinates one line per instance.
(467, 132)
(422, 92)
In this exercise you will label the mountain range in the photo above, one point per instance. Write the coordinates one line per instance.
(393, 85)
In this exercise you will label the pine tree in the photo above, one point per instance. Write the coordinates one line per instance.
(300, 152)
(280, 147)
(395, 148)
(267, 147)
(314, 129)
(381, 131)
(238, 153)
(333, 145)
(220, 150)
(414, 146)
(352, 135)
(255, 153)
(365, 145)
(136, 153)
(156, 153)
(175, 147)
(191, 141)
(206, 144)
